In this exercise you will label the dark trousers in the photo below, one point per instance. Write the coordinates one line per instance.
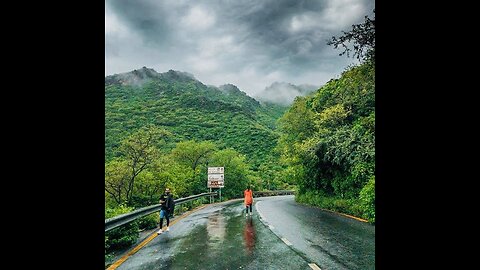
(246, 210)
(161, 221)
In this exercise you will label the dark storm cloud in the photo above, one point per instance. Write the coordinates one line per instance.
(248, 43)
(148, 18)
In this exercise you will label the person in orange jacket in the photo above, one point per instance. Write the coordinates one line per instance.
(248, 195)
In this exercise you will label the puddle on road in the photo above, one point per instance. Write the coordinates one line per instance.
(249, 236)
(226, 239)
(216, 230)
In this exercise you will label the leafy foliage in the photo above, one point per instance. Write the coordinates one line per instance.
(189, 110)
(149, 222)
(327, 142)
(116, 180)
(237, 172)
(123, 236)
(367, 200)
(363, 38)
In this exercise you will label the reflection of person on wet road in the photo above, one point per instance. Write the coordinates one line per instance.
(249, 235)
(166, 201)
(248, 195)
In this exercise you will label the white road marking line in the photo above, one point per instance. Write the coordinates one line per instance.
(314, 266)
(286, 241)
(271, 227)
(258, 210)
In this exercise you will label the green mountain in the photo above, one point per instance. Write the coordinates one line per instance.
(189, 109)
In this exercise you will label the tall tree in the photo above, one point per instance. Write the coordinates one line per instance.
(236, 171)
(140, 149)
(193, 154)
(362, 37)
(116, 180)
(169, 173)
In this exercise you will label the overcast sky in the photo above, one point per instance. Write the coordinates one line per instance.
(248, 43)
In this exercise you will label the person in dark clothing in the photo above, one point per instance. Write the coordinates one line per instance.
(166, 201)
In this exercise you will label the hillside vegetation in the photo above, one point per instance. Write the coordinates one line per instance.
(190, 110)
(327, 141)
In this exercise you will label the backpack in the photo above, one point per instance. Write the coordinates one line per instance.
(172, 203)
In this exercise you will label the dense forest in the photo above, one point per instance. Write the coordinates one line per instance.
(328, 144)
(327, 140)
(165, 129)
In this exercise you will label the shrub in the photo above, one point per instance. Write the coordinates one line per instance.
(123, 236)
(320, 199)
(356, 208)
(149, 222)
(341, 206)
(107, 246)
(367, 200)
(139, 200)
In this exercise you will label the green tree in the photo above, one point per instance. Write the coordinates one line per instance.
(236, 171)
(296, 126)
(362, 36)
(173, 175)
(140, 149)
(193, 154)
(327, 142)
(116, 180)
(147, 188)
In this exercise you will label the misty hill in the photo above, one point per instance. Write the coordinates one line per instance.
(283, 93)
(189, 109)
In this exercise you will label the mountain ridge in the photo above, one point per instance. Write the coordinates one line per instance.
(178, 102)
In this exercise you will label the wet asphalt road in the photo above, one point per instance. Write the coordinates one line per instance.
(330, 240)
(221, 237)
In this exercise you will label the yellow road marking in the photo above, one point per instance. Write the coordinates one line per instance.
(286, 241)
(148, 239)
(357, 218)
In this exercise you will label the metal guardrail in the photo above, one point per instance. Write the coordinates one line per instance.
(120, 220)
(273, 193)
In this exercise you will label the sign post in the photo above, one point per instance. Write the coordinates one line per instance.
(216, 179)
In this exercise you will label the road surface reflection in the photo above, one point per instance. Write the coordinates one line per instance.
(249, 235)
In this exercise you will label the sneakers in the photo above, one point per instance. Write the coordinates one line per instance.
(161, 231)
(246, 215)
(251, 214)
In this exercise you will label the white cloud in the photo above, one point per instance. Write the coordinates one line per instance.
(198, 18)
(341, 14)
(217, 46)
(338, 15)
(202, 65)
(303, 22)
(113, 26)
